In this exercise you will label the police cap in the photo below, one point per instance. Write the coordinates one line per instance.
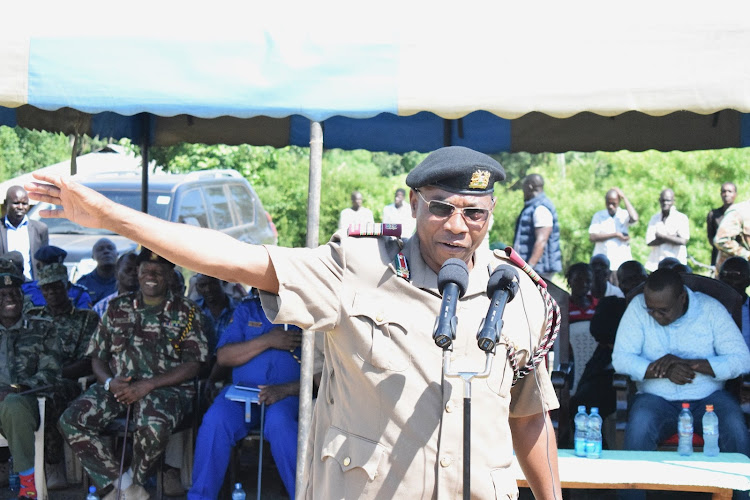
(9, 275)
(52, 273)
(457, 169)
(147, 255)
(50, 254)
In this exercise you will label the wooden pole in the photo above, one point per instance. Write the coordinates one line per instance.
(308, 337)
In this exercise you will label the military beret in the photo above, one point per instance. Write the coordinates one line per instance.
(147, 255)
(52, 273)
(16, 258)
(9, 275)
(50, 254)
(458, 170)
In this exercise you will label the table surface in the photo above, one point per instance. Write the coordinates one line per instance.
(727, 470)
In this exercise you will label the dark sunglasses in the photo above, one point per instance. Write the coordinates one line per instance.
(444, 210)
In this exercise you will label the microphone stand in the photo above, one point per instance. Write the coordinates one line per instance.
(467, 377)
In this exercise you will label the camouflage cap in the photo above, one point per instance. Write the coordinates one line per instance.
(9, 275)
(147, 255)
(16, 258)
(52, 273)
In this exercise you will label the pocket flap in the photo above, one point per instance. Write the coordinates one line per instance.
(352, 451)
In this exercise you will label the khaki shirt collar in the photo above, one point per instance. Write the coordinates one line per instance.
(423, 277)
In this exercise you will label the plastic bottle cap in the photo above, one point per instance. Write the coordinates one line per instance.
(686, 405)
(92, 489)
(594, 410)
(238, 486)
(709, 407)
(582, 408)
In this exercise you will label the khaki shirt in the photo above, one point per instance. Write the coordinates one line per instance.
(386, 422)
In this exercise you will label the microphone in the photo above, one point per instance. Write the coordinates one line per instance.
(453, 279)
(502, 287)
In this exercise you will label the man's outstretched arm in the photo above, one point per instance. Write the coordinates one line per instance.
(200, 249)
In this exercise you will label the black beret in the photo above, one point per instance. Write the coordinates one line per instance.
(9, 275)
(147, 255)
(50, 255)
(457, 169)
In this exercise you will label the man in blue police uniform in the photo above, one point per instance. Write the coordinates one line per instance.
(261, 355)
(387, 423)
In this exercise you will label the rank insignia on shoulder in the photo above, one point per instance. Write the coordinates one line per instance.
(374, 229)
(254, 324)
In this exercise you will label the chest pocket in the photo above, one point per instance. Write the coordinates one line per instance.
(380, 336)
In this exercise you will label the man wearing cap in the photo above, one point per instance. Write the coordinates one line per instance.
(51, 254)
(17, 232)
(73, 328)
(537, 238)
(145, 353)
(388, 423)
(29, 361)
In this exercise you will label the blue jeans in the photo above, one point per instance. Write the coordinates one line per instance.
(224, 425)
(653, 419)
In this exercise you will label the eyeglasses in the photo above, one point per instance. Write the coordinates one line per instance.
(444, 210)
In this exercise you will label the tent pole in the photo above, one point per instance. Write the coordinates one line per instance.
(308, 337)
(144, 162)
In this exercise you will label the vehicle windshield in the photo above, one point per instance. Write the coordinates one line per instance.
(158, 204)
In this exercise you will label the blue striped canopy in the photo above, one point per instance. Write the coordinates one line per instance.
(386, 77)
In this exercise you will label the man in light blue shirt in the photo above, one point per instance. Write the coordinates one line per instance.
(680, 346)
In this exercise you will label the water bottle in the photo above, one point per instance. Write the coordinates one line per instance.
(685, 430)
(710, 432)
(581, 422)
(594, 434)
(238, 493)
(92, 494)
(14, 482)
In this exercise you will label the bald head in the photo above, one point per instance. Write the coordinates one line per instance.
(533, 184)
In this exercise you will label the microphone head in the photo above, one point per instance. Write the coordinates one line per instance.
(504, 277)
(454, 271)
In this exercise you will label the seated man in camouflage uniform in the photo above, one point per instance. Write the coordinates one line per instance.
(147, 349)
(73, 328)
(29, 363)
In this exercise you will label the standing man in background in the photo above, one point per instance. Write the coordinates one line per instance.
(356, 214)
(19, 233)
(668, 232)
(609, 229)
(714, 217)
(537, 230)
(399, 212)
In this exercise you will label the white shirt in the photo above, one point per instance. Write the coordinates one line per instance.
(349, 216)
(616, 250)
(676, 224)
(400, 215)
(18, 239)
(543, 217)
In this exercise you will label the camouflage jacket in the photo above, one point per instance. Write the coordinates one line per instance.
(32, 352)
(141, 341)
(72, 329)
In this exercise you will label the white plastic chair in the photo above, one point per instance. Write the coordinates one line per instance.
(40, 481)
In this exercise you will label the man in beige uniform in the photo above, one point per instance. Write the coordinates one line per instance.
(387, 423)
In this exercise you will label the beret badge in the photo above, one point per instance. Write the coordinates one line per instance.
(479, 179)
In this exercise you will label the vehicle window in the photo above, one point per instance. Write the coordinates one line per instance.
(192, 209)
(244, 203)
(219, 204)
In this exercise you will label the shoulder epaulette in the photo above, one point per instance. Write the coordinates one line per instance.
(35, 311)
(38, 318)
(374, 229)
